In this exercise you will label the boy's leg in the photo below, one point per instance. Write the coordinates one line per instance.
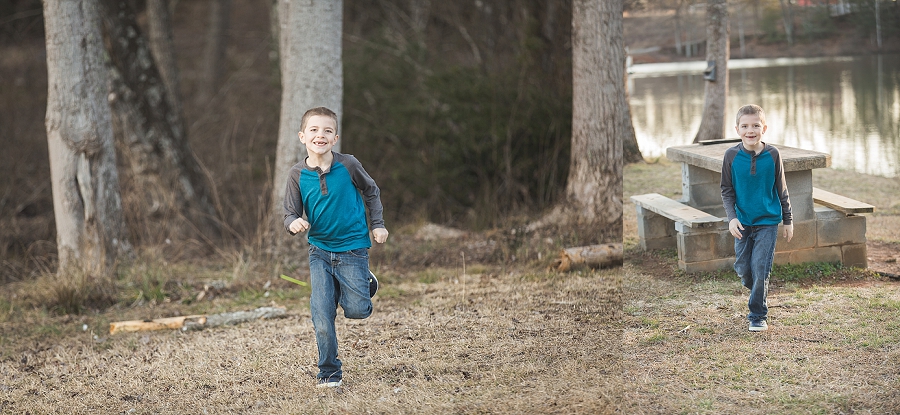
(352, 273)
(323, 308)
(764, 239)
(743, 253)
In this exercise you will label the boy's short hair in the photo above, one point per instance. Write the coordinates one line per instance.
(325, 112)
(750, 109)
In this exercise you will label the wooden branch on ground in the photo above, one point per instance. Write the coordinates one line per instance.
(888, 274)
(591, 256)
(196, 322)
(157, 324)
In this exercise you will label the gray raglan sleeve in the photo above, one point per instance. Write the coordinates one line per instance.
(728, 195)
(787, 215)
(370, 192)
(293, 203)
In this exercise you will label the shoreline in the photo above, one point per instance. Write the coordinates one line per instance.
(642, 70)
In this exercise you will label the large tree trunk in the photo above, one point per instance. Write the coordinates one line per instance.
(214, 53)
(594, 188)
(159, 28)
(90, 231)
(311, 76)
(712, 125)
(166, 180)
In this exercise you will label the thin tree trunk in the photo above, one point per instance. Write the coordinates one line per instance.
(787, 15)
(168, 181)
(275, 29)
(159, 25)
(741, 32)
(283, 36)
(90, 231)
(712, 125)
(878, 23)
(630, 148)
(678, 31)
(312, 76)
(214, 53)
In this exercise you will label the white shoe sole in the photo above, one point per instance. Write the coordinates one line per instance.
(330, 384)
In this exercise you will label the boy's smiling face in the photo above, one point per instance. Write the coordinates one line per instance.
(319, 135)
(751, 129)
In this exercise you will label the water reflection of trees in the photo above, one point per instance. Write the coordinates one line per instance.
(850, 109)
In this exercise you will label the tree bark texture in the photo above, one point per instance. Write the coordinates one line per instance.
(712, 123)
(196, 322)
(166, 180)
(594, 188)
(312, 76)
(214, 52)
(162, 45)
(90, 231)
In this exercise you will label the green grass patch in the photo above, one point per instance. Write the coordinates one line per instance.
(814, 271)
(805, 318)
(148, 281)
(431, 276)
(649, 323)
(7, 309)
(656, 338)
(632, 310)
(885, 304)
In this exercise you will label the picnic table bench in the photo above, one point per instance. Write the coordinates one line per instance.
(827, 227)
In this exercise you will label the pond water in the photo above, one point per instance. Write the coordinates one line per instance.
(848, 107)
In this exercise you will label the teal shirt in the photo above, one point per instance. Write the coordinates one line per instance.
(335, 203)
(753, 187)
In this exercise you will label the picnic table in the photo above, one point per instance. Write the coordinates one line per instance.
(827, 227)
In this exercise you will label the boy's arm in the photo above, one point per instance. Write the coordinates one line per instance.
(787, 215)
(370, 192)
(728, 195)
(293, 204)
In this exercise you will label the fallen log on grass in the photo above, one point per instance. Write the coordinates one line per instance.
(591, 256)
(196, 322)
(889, 275)
(155, 324)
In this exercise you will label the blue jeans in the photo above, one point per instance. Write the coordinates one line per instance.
(336, 278)
(754, 254)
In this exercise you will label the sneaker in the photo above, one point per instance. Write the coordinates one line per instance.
(329, 382)
(758, 325)
(373, 284)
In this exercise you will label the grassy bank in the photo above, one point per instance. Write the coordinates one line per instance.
(832, 346)
(457, 333)
(471, 338)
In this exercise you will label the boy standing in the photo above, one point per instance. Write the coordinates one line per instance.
(335, 192)
(756, 200)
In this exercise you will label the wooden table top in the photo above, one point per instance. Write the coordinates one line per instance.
(710, 156)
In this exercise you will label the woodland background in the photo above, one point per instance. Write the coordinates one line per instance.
(461, 111)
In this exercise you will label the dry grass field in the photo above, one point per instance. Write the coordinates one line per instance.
(488, 339)
(832, 345)
(468, 335)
